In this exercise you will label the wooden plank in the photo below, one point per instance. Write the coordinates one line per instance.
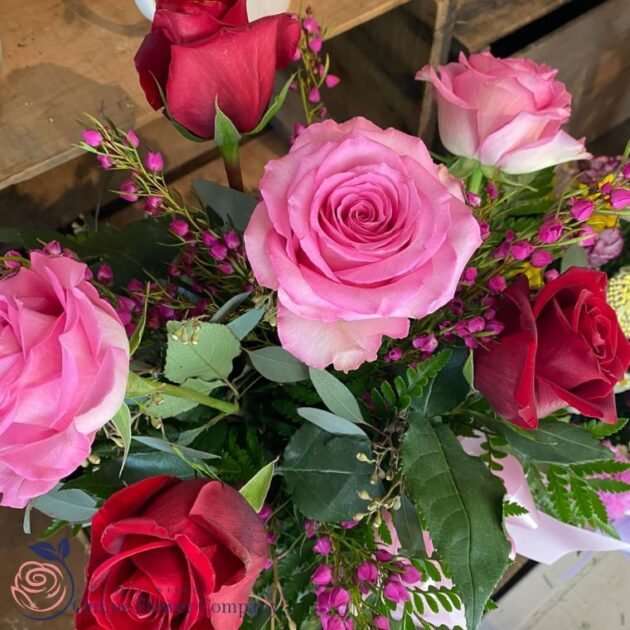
(592, 54)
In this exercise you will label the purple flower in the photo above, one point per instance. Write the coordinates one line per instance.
(383, 556)
(607, 247)
(484, 228)
(552, 274)
(367, 572)
(53, 248)
(322, 546)
(218, 251)
(152, 205)
(395, 354)
(265, 513)
(476, 324)
(589, 236)
(105, 162)
(332, 81)
(491, 191)
(310, 527)
(411, 575)
(348, 524)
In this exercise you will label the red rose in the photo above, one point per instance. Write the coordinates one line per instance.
(200, 51)
(170, 554)
(565, 349)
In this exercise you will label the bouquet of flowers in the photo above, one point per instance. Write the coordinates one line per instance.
(347, 399)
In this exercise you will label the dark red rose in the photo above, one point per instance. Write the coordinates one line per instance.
(564, 349)
(172, 554)
(199, 51)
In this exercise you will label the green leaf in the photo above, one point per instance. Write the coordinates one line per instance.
(208, 359)
(511, 508)
(273, 108)
(278, 365)
(330, 422)
(609, 485)
(166, 447)
(136, 338)
(171, 406)
(335, 395)
(122, 422)
(462, 505)
(609, 467)
(256, 489)
(575, 256)
(231, 206)
(408, 528)
(243, 325)
(142, 465)
(600, 430)
(73, 506)
(554, 443)
(324, 476)
(226, 135)
(232, 304)
(448, 389)
(137, 387)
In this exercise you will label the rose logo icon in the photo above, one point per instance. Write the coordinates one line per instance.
(44, 590)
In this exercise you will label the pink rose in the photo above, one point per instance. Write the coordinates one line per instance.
(504, 112)
(64, 362)
(359, 230)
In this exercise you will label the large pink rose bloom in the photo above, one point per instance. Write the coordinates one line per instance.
(64, 362)
(504, 112)
(359, 230)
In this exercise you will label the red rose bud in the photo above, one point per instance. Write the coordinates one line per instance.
(203, 52)
(182, 553)
(565, 348)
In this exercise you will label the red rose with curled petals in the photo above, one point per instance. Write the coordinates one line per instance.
(200, 51)
(170, 554)
(564, 348)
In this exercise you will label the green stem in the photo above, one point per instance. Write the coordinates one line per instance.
(474, 183)
(232, 160)
(177, 391)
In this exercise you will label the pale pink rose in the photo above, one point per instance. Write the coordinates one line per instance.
(504, 112)
(64, 362)
(358, 231)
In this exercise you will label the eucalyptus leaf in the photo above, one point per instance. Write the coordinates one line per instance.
(574, 256)
(232, 304)
(461, 502)
(278, 365)
(208, 359)
(330, 422)
(166, 447)
(73, 505)
(256, 489)
(335, 395)
(233, 207)
(122, 422)
(136, 338)
(243, 325)
(324, 476)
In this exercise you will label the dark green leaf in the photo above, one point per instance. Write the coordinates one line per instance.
(408, 528)
(325, 477)
(462, 506)
(232, 206)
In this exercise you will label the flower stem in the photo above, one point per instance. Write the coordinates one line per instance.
(232, 162)
(177, 391)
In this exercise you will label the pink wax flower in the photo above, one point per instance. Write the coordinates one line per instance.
(541, 258)
(129, 191)
(473, 199)
(620, 198)
(491, 191)
(105, 162)
(332, 81)
(68, 359)
(179, 227)
(232, 240)
(581, 209)
(322, 546)
(314, 96)
(310, 527)
(367, 572)
(469, 276)
(105, 275)
(396, 591)
(133, 139)
(391, 238)
(589, 237)
(322, 575)
(497, 284)
(382, 623)
(154, 162)
(507, 113)
(425, 343)
(521, 250)
(152, 205)
(550, 232)
(92, 138)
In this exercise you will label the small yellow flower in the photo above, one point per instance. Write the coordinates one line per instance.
(600, 222)
(535, 276)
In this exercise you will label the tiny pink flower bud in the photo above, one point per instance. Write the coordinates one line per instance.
(271, 538)
(105, 275)
(310, 25)
(491, 191)
(457, 306)
(310, 527)
(265, 513)
(625, 171)
(232, 240)
(521, 250)
(322, 546)
(476, 324)
(179, 227)
(92, 138)
(297, 55)
(12, 264)
(135, 286)
(411, 575)
(126, 304)
(105, 161)
(268, 564)
(313, 95)
(322, 575)
(497, 284)
(490, 314)
(469, 276)
(606, 188)
(218, 251)
(332, 81)
(383, 555)
(348, 524)
(395, 591)
(124, 317)
(589, 236)
(495, 327)
(174, 271)
(550, 231)
(225, 268)
(316, 45)
(367, 572)
(484, 228)
(620, 198)
(425, 343)
(541, 258)
(129, 191)
(582, 209)
(473, 199)
(53, 248)
(133, 139)
(381, 623)
(510, 235)
(154, 162)
(395, 354)
(152, 205)
(552, 274)
(209, 239)
(502, 250)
